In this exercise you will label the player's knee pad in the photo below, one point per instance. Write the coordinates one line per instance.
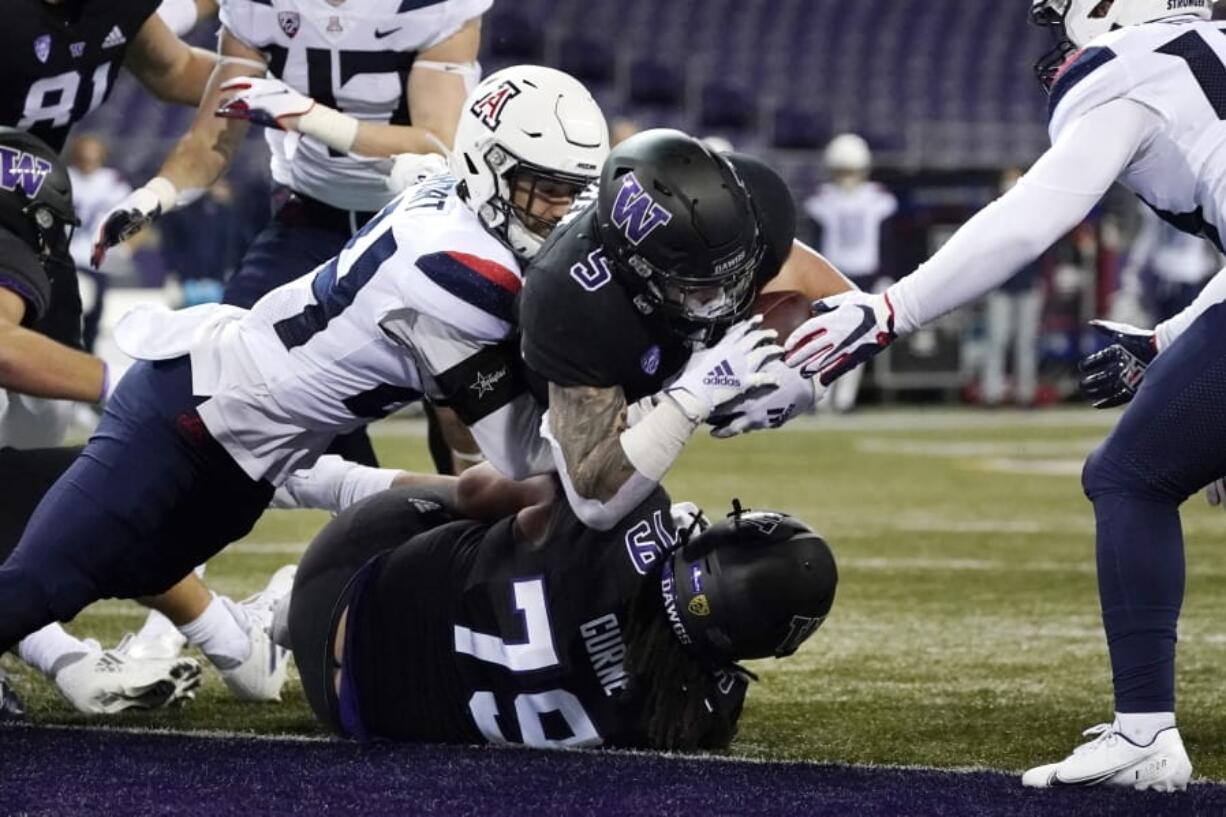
(1109, 470)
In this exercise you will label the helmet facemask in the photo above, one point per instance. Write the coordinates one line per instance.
(704, 304)
(512, 213)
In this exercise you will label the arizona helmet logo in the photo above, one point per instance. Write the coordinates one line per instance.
(290, 22)
(489, 108)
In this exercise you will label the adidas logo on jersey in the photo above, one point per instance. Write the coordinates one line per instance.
(114, 39)
(722, 375)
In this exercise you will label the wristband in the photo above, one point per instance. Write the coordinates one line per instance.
(655, 442)
(164, 190)
(336, 130)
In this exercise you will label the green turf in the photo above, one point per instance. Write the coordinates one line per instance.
(966, 629)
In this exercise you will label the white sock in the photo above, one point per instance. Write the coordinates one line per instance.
(51, 649)
(363, 481)
(333, 484)
(1142, 727)
(221, 633)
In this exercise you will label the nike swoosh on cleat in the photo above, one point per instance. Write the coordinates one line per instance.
(379, 35)
(1056, 780)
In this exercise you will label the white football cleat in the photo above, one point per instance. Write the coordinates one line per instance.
(164, 645)
(1111, 759)
(11, 707)
(261, 676)
(103, 683)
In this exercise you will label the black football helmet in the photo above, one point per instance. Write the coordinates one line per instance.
(35, 193)
(681, 231)
(755, 584)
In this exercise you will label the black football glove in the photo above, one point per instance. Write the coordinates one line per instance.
(1111, 377)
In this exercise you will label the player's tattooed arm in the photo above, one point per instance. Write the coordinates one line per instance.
(587, 424)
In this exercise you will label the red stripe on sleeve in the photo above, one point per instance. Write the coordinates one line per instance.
(490, 270)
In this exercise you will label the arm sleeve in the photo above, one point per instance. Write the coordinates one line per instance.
(1213, 293)
(1049, 201)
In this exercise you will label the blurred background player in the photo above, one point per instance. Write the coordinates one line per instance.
(849, 212)
(626, 647)
(96, 188)
(1165, 271)
(1012, 319)
(340, 90)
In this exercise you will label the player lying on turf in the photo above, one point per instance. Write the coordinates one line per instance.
(229, 402)
(411, 622)
(1136, 96)
(637, 293)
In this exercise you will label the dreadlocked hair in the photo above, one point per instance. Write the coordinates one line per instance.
(676, 688)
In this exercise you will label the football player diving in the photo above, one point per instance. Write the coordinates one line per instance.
(226, 403)
(441, 613)
(633, 316)
(59, 61)
(1136, 97)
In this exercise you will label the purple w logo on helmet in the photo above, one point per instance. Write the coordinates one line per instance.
(21, 170)
(635, 213)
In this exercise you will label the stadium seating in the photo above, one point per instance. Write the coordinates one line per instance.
(933, 84)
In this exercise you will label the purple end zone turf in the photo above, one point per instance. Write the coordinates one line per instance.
(95, 772)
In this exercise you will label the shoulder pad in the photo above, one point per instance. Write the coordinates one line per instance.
(1092, 77)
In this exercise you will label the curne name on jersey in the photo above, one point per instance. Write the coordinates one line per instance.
(1175, 5)
(602, 637)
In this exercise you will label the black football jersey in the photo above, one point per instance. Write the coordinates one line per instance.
(59, 62)
(579, 324)
(468, 633)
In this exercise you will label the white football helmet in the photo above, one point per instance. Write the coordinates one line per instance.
(521, 128)
(849, 152)
(1077, 22)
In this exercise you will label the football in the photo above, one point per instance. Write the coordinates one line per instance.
(783, 311)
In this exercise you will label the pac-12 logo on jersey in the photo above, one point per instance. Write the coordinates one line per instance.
(19, 169)
(489, 108)
(290, 22)
(635, 212)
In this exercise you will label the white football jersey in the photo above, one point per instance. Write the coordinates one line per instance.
(352, 55)
(851, 225)
(1176, 68)
(420, 302)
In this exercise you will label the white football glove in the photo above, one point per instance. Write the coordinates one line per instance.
(729, 369)
(273, 104)
(264, 101)
(796, 395)
(409, 169)
(139, 209)
(847, 330)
